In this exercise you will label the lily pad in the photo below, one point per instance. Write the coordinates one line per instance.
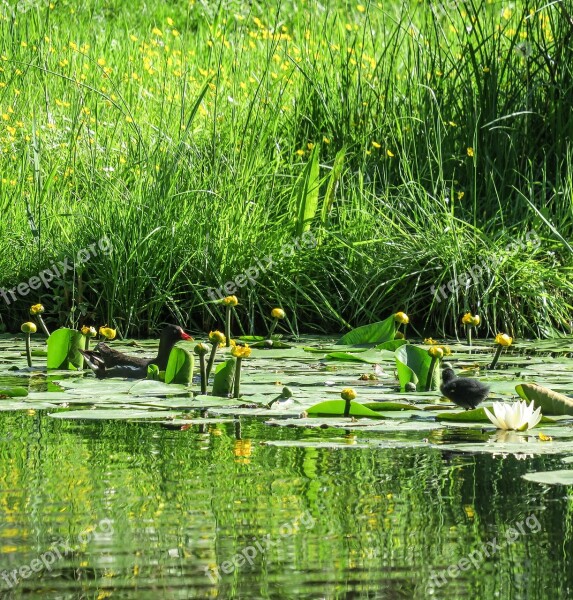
(413, 365)
(375, 333)
(551, 403)
(561, 477)
(337, 408)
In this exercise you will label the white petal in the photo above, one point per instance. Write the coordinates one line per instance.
(492, 418)
(535, 418)
(500, 413)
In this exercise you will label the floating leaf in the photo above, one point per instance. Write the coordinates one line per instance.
(179, 366)
(337, 408)
(551, 403)
(14, 392)
(561, 477)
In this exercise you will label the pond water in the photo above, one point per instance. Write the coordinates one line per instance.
(163, 502)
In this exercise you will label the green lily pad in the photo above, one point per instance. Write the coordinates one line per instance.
(413, 365)
(224, 378)
(336, 408)
(561, 477)
(14, 392)
(551, 403)
(63, 349)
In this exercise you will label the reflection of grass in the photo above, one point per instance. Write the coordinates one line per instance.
(452, 134)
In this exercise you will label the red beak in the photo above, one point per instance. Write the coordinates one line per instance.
(185, 336)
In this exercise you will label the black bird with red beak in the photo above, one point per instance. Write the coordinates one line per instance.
(107, 362)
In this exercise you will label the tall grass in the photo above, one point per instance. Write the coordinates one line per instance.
(182, 132)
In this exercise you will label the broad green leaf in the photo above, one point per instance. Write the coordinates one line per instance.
(365, 357)
(14, 392)
(551, 403)
(375, 333)
(560, 477)
(336, 408)
(224, 378)
(63, 346)
(413, 364)
(179, 366)
(390, 406)
(307, 188)
(392, 345)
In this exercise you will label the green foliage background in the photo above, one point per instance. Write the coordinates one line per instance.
(415, 139)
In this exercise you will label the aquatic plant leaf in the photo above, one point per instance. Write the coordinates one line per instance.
(477, 415)
(224, 378)
(336, 408)
(551, 403)
(391, 345)
(179, 366)
(63, 349)
(13, 392)
(307, 187)
(365, 357)
(390, 406)
(560, 477)
(413, 364)
(112, 414)
(375, 333)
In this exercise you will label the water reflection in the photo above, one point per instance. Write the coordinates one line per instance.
(212, 511)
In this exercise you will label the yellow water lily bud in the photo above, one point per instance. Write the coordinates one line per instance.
(230, 301)
(436, 352)
(402, 318)
(241, 351)
(278, 313)
(348, 394)
(107, 332)
(398, 335)
(201, 349)
(37, 309)
(503, 339)
(89, 331)
(472, 320)
(216, 337)
(28, 327)
(430, 341)
(446, 350)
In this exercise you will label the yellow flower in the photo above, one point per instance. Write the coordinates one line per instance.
(278, 313)
(446, 350)
(470, 151)
(402, 318)
(376, 145)
(230, 301)
(157, 31)
(436, 352)
(469, 319)
(201, 349)
(348, 394)
(28, 327)
(241, 351)
(37, 309)
(107, 332)
(430, 341)
(216, 337)
(389, 153)
(503, 339)
(360, 8)
(89, 331)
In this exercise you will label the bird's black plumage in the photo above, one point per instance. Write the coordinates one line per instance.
(463, 391)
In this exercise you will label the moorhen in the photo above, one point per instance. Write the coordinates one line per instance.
(463, 391)
(106, 362)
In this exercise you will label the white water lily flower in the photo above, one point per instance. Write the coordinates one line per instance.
(517, 416)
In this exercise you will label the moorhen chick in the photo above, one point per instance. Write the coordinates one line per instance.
(463, 391)
(107, 362)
